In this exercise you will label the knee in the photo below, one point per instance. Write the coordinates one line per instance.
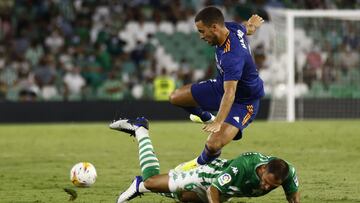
(150, 183)
(214, 146)
(173, 98)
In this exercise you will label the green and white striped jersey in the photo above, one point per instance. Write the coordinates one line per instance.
(233, 178)
(239, 178)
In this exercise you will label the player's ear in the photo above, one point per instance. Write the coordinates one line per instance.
(214, 26)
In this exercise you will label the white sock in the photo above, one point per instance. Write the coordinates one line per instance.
(141, 132)
(142, 188)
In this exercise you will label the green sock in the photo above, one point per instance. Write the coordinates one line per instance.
(149, 163)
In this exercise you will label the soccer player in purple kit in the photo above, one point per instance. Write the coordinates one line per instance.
(236, 91)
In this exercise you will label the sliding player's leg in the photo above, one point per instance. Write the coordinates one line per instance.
(150, 180)
(138, 128)
(149, 163)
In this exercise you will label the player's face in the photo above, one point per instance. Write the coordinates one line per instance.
(268, 181)
(207, 33)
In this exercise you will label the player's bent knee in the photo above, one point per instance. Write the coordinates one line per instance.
(174, 98)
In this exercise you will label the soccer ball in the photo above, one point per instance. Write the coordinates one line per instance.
(83, 174)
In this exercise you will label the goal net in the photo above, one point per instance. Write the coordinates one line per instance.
(314, 69)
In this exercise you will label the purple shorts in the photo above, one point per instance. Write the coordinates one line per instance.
(208, 95)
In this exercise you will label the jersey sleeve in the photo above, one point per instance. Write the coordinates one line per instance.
(233, 67)
(232, 174)
(291, 184)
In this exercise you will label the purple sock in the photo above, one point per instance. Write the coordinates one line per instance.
(206, 157)
(204, 115)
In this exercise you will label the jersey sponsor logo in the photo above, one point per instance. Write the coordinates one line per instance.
(236, 118)
(240, 35)
(224, 179)
(234, 170)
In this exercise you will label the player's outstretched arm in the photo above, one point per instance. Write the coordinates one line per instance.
(253, 23)
(213, 194)
(293, 198)
(225, 106)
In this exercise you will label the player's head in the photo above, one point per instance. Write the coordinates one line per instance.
(276, 171)
(209, 21)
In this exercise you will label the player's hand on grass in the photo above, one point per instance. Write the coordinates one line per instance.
(255, 20)
(212, 127)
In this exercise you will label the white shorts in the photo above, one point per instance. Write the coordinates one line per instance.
(187, 181)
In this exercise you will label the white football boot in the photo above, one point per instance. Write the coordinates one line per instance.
(131, 192)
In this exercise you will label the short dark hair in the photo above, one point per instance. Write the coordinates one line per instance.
(210, 15)
(279, 168)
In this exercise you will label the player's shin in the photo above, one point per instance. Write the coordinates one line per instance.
(207, 157)
(149, 163)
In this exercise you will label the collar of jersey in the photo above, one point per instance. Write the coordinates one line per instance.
(262, 163)
(227, 37)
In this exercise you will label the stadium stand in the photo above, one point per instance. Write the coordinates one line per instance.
(113, 50)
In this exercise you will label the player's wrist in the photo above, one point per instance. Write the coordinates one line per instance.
(218, 121)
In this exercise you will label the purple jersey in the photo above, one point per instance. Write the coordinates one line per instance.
(234, 62)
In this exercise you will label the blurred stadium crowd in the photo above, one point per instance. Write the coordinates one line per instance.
(142, 49)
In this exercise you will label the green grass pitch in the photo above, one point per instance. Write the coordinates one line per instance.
(35, 160)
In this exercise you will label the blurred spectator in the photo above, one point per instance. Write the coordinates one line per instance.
(8, 75)
(21, 43)
(93, 73)
(74, 83)
(313, 67)
(329, 74)
(6, 29)
(26, 86)
(45, 76)
(351, 38)
(3, 57)
(185, 73)
(349, 59)
(34, 53)
(260, 57)
(54, 42)
(3, 91)
(163, 86)
(112, 88)
(103, 57)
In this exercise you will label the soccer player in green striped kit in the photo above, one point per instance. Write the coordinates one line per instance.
(249, 175)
